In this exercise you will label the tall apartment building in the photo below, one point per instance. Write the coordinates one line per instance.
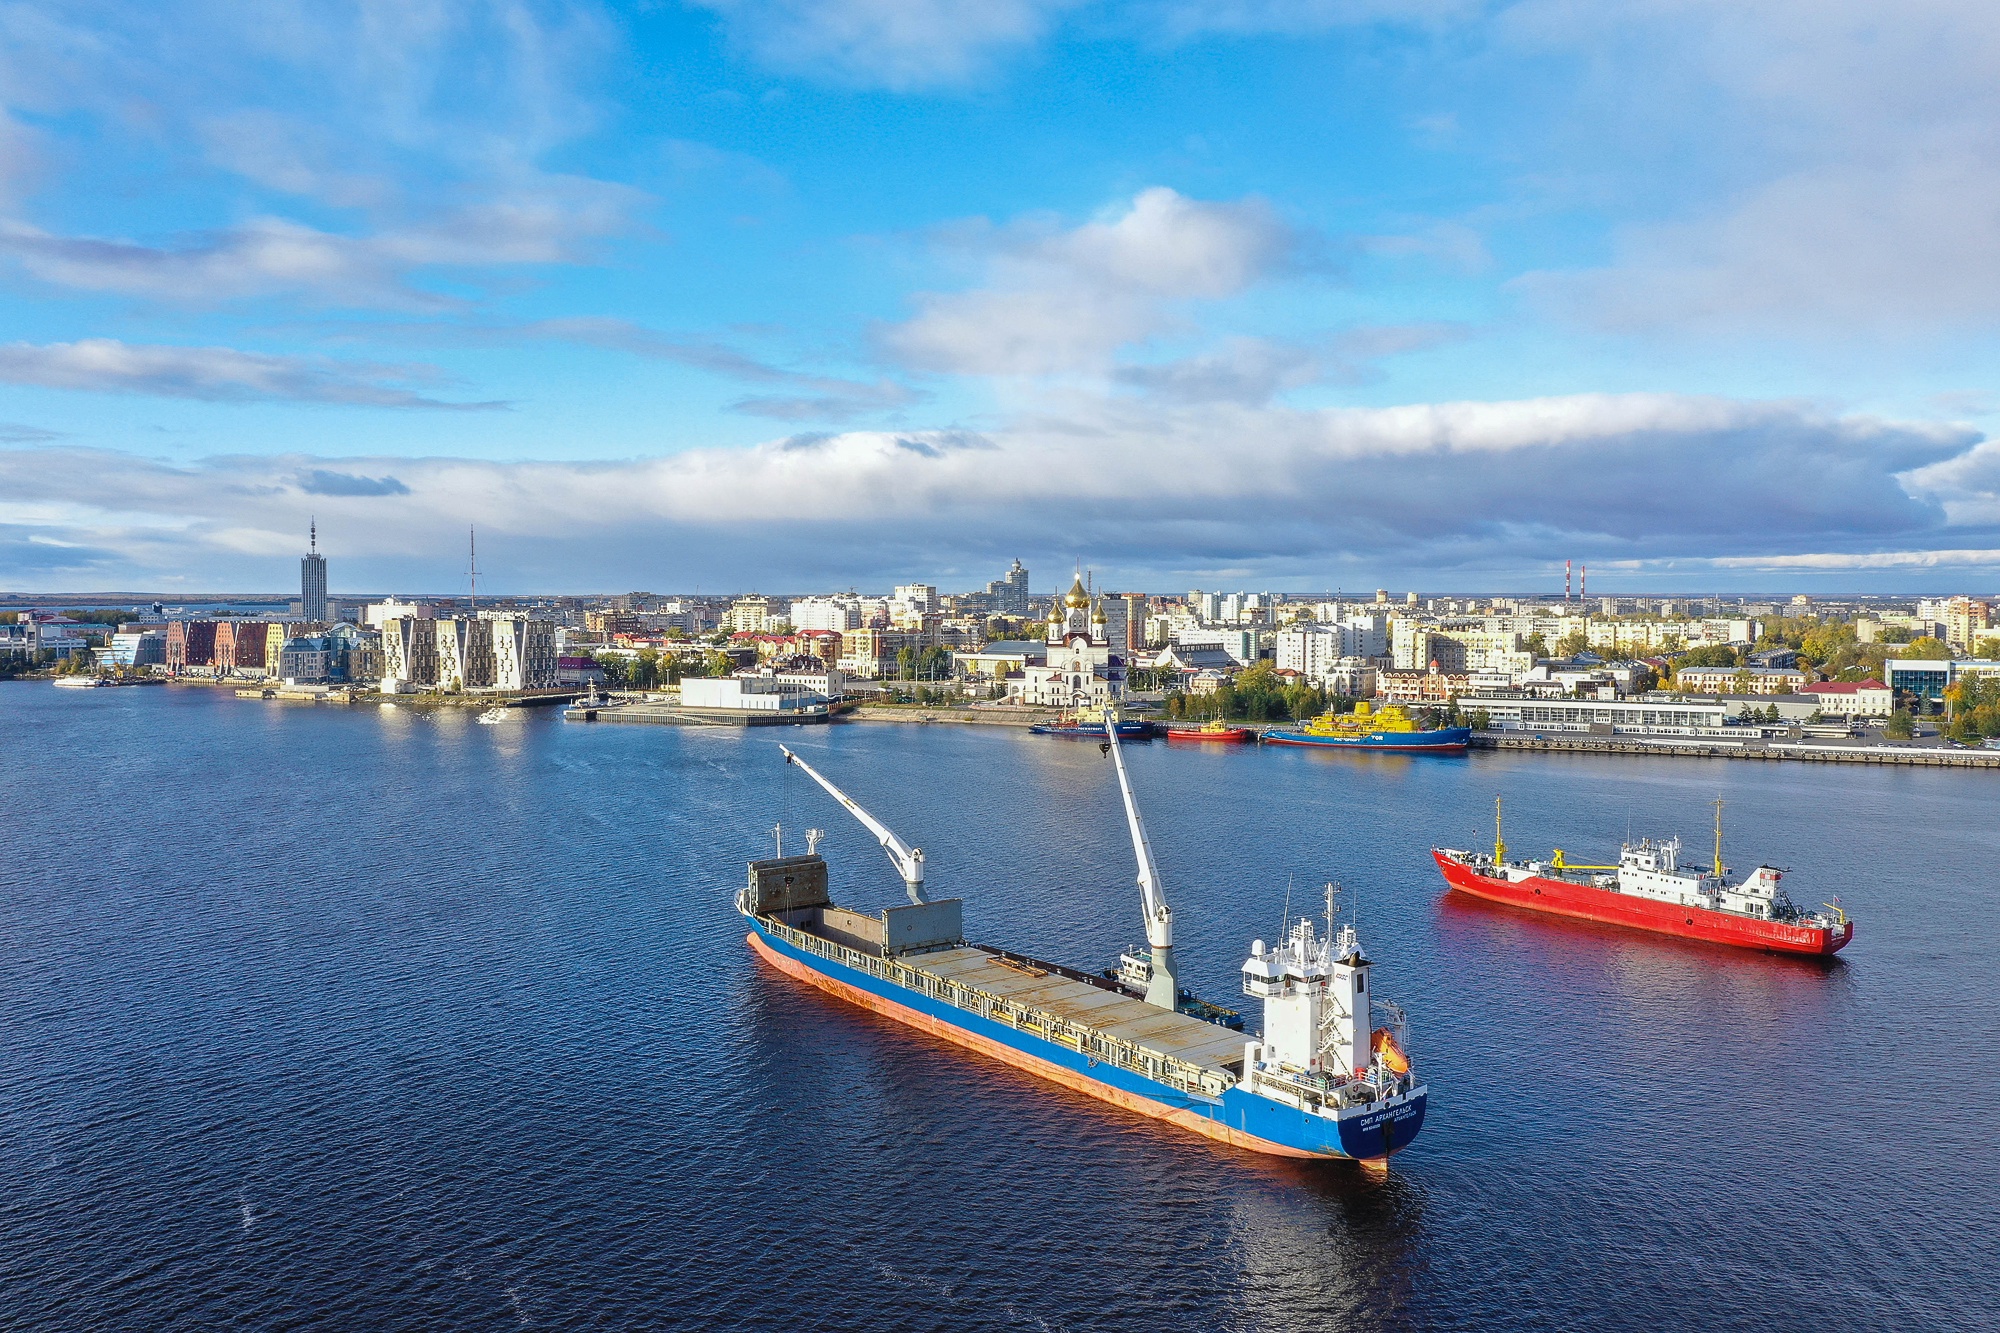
(190, 643)
(524, 651)
(838, 614)
(920, 598)
(1113, 618)
(1135, 623)
(1966, 622)
(1010, 592)
(409, 653)
(312, 579)
(752, 615)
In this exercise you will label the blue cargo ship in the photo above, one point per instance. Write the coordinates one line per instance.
(1317, 1082)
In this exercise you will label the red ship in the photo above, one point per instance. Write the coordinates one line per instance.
(1214, 732)
(1650, 890)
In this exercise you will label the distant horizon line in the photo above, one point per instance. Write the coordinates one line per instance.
(7, 599)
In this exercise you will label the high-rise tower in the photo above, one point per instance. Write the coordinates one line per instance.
(312, 579)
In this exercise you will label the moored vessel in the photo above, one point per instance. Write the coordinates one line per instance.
(1649, 889)
(1088, 724)
(1215, 733)
(1319, 1082)
(1389, 727)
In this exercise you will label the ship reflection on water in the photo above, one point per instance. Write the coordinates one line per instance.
(1311, 1248)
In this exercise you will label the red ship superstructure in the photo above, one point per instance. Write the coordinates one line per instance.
(1649, 889)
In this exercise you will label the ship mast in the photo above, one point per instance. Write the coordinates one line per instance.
(909, 861)
(1718, 838)
(1162, 987)
(1499, 843)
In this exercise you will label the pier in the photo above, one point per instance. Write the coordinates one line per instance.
(1701, 747)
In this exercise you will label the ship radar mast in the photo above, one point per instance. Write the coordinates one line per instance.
(1162, 986)
(909, 861)
(1499, 843)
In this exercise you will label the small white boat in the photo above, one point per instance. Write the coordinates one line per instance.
(81, 682)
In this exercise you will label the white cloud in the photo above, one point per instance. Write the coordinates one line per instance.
(1837, 162)
(903, 45)
(1062, 300)
(425, 124)
(1468, 487)
(1875, 560)
(1254, 370)
(217, 374)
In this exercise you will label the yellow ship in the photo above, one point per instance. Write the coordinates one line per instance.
(1389, 727)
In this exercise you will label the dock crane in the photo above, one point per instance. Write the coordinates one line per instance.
(909, 861)
(1162, 986)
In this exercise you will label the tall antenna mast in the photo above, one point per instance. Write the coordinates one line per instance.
(313, 530)
(472, 563)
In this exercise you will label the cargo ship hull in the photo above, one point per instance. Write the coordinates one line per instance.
(1062, 1052)
(1445, 740)
(1585, 902)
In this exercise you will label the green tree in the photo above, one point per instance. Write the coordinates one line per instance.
(1988, 649)
(1827, 645)
(935, 663)
(1709, 655)
(1572, 643)
(1901, 726)
(1926, 649)
(720, 663)
(1536, 644)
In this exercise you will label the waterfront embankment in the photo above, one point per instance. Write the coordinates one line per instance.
(1702, 747)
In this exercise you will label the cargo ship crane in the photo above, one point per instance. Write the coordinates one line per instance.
(909, 861)
(1162, 986)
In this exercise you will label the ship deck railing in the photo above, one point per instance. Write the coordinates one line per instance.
(1183, 1075)
(1331, 1090)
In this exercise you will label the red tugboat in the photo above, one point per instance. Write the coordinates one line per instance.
(1214, 732)
(1650, 890)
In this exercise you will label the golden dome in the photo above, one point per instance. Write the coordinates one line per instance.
(1078, 598)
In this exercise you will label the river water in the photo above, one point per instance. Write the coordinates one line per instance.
(379, 1018)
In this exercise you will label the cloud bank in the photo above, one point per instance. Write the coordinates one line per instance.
(1154, 496)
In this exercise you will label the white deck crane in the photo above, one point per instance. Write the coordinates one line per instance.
(1162, 986)
(909, 860)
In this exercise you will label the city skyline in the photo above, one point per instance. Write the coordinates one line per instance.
(1286, 296)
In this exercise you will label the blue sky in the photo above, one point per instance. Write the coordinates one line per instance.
(1297, 294)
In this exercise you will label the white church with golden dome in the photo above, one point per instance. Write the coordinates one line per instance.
(1079, 670)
